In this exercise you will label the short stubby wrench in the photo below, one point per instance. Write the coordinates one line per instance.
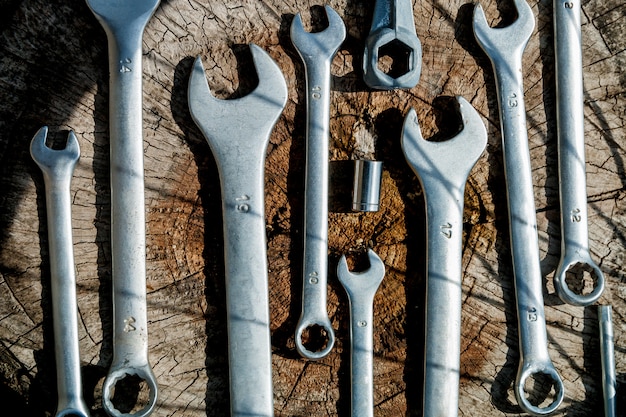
(443, 169)
(361, 288)
(124, 23)
(317, 51)
(393, 27)
(238, 132)
(57, 167)
(571, 143)
(505, 47)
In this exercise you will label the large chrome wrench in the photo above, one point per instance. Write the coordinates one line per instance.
(124, 23)
(238, 132)
(443, 168)
(571, 142)
(57, 167)
(393, 27)
(361, 288)
(504, 47)
(317, 51)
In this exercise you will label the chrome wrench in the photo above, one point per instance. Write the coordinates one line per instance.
(570, 118)
(124, 23)
(505, 47)
(238, 132)
(443, 169)
(317, 51)
(361, 288)
(57, 167)
(393, 28)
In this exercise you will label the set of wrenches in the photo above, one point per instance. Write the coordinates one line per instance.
(442, 168)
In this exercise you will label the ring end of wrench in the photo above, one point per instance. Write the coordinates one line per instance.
(307, 324)
(562, 288)
(526, 372)
(116, 375)
(376, 78)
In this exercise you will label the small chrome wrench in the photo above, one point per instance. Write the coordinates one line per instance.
(57, 167)
(124, 23)
(571, 142)
(607, 356)
(361, 288)
(443, 168)
(317, 51)
(238, 132)
(505, 47)
(393, 27)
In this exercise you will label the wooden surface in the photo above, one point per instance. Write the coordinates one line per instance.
(53, 71)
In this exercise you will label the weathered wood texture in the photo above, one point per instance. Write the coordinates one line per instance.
(53, 70)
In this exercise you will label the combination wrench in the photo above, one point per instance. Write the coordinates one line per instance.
(57, 167)
(317, 51)
(393, 28)
(361, 288)
(505, 47)
(575, 256)
(443, 169)
(124, 23)
(238, 132)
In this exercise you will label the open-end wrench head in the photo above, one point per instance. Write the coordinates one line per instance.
(54, 161)
(506, 40)
(246, 118)
(318, 45)
(449, 160)
(367, 281)
(123, 17)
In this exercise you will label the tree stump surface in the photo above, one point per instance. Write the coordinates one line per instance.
(53, 71)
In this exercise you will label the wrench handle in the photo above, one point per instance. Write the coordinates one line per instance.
(63, 291)
(443, 299)
(315, 268)
(362, 355)
(247, 299)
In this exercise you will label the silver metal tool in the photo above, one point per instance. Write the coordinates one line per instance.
(317, 51)
(238, 132)
(366, 185)
(607, 356)
(570, 118)
(124, 23)
(504, 47)
(443, 168)
(57, 167)
(393, 28)
(361, 288)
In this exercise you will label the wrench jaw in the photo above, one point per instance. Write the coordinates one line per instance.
(581, 261)
(510, 39)
(216, 117)
(313, 46)
(366, 281)
(54, 162)
(374, 77)
(538, 368)
(116, 375)
(460, 153)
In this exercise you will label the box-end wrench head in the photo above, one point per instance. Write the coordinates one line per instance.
(361, 288)
(443, 168)
(238, 132)
(317, 51)
(504, 47)
(392, 27)
(57, 167)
